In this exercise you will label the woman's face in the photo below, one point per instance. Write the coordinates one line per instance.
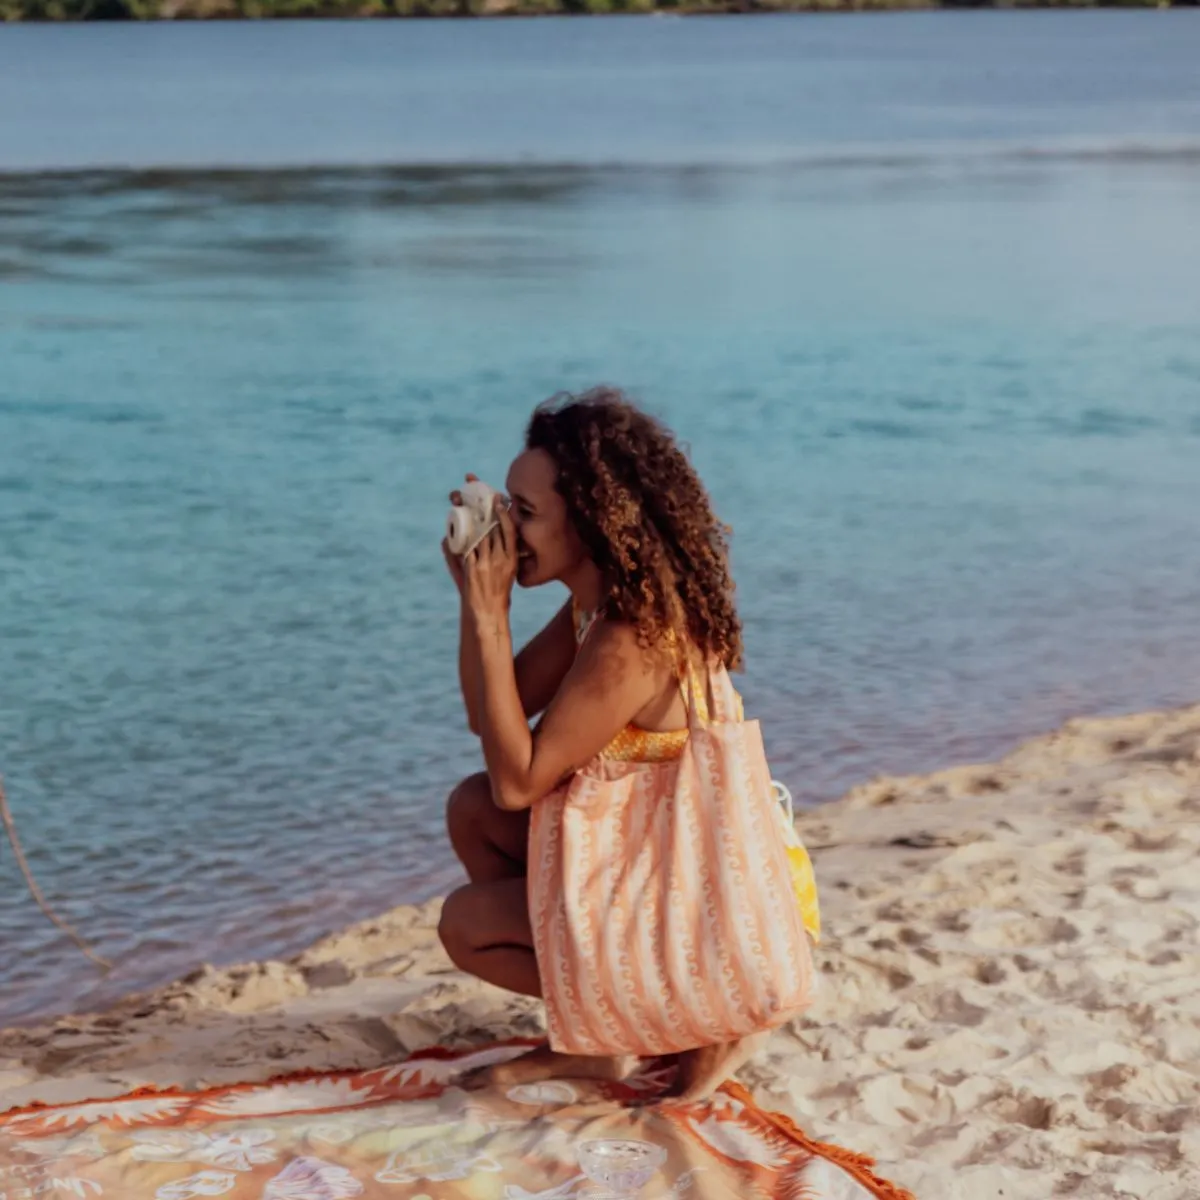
(547, 544)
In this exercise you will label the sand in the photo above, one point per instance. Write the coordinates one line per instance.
(1010, 1003)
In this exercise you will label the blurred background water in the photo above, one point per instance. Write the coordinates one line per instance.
(919, 292)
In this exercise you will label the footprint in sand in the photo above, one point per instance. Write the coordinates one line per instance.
(1152, 843)
(1025, 932)
(953, 1008)
(954, 922)
(989, 971)
(1034, 1112)
(1074, 863)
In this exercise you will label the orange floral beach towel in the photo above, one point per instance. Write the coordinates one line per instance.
(411, 1132)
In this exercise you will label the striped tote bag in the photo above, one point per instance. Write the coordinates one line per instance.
(661, 898)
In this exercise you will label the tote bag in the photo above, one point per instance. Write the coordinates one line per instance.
(661, 898)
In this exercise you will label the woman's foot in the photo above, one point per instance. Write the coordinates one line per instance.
(544, 1063)
(702, 1071)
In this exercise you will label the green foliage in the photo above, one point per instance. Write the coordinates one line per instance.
(79, 10)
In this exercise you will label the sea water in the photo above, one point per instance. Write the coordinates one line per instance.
(919, 292)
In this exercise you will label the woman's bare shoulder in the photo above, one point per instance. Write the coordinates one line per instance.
(613, 648)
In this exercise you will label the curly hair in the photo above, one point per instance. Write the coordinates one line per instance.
(646, 520)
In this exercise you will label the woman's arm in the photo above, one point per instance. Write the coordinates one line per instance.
(540, 667)
(606, 686)
(543, 663)
(609, 683)
(468, 667)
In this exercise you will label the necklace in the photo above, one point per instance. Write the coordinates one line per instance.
(583, 621)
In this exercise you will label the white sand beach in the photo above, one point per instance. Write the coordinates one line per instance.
(1009, 1005)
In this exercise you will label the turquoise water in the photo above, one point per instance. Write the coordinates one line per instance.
(920, 294)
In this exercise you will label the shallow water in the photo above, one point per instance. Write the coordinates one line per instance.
(932, 334)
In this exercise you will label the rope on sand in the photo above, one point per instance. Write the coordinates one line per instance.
(15, 842)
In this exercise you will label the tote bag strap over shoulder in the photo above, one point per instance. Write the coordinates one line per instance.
(709, 696)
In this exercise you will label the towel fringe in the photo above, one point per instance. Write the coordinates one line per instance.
(860, 1166)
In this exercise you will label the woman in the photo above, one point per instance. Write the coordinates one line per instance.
(603, 501)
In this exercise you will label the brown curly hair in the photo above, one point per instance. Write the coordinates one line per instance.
(646, 521)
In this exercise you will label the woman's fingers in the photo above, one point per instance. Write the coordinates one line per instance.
(471, 569)
(453, 563)
(456, 497)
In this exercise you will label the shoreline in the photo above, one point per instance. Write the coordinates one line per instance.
(1007, 1003)
(417, 892)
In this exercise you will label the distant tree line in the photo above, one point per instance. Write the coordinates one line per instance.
(155, 10)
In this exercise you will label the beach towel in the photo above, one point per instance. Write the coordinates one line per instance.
(412, 1131)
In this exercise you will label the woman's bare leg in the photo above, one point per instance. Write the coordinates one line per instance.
(486, 931)
(490, 843)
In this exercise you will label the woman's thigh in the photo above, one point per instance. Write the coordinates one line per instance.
(492, 844)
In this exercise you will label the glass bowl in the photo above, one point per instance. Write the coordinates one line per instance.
(620, 1164)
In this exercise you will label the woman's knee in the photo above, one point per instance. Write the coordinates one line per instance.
(490, 844)
(478, 916)
(455, 924)
(467, 808)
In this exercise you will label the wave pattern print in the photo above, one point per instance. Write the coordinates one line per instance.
(630, 877)
(662, 900)
(596, 883)
(706, 904)
(717, 877)
(732, 865)
(770, 933)
(545, 899)
(681, 840)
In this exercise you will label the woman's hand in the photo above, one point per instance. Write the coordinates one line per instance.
(490, 570)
